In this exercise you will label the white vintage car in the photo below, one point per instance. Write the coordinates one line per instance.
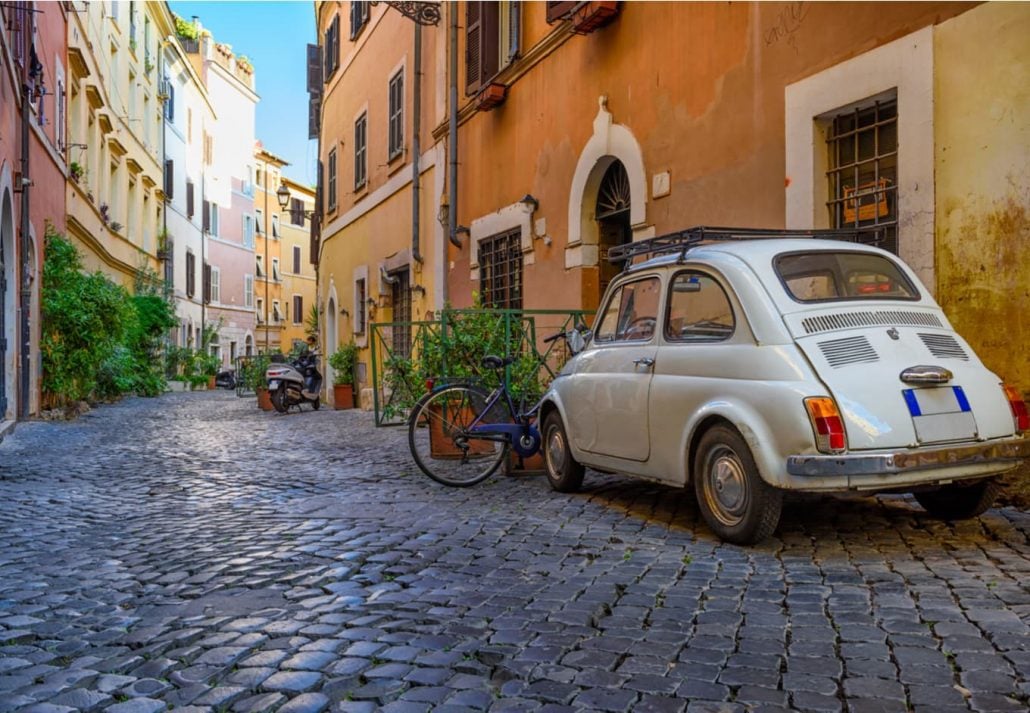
(749, 363)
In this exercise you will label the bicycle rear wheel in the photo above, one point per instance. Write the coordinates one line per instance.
(440, 441)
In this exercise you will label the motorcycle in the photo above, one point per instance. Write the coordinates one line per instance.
(295, 383)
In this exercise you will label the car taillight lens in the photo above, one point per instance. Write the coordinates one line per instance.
(827, 424)
(1019, 411)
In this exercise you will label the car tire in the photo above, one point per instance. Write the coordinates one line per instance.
(563, 472)
(735, 502)
(959, 501)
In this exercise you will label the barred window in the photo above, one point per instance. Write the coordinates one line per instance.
(359, 306)
(500, 270)
(401, 297)
(862, 153)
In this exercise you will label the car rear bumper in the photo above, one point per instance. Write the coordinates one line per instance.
(924, 463)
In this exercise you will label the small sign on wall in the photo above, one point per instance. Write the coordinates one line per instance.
(660, 184)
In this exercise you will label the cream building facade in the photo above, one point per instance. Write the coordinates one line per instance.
(116, 99)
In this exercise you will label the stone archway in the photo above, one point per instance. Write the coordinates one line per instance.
(8, 311)
(610, 143)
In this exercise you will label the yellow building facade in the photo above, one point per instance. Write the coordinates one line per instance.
(299, 279)
(378, 258)
(272, 318)
(115, 196)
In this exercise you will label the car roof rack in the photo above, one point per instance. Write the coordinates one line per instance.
(684, 240)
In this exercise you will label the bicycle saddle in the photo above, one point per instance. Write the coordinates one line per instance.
(496, 362)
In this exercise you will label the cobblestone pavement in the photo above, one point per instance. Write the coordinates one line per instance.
(191, 551)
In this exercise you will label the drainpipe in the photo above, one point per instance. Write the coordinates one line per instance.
(203, 258)
(416, 124)
(452, 134)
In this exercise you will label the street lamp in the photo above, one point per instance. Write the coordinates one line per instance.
(283, 194)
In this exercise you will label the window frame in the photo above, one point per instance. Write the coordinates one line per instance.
(601, 313)
(894, 260)
(360, 151)
(297, 259)
(395, 115)
(359, 16)
(668, 309)
(216, 285)
(485, 253)
(248, 290)
(298, 309)
(360, 308)
(330, 168)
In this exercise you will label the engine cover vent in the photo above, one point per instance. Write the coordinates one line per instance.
(944, 346)
(851, 350)
(848, 320)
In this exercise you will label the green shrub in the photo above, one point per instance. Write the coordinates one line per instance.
(97, 340)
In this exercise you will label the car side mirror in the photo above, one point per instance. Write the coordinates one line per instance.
(578, 340)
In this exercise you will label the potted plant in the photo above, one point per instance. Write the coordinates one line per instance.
(255, 375)
(76, 171)
(342, 361)
(206, 368)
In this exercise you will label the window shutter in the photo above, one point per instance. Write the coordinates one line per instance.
(169, 178)
(207, 283)
(191, 277)
(314, 115)
(473, 46)
(296, 259)
(298, 309)
(314, 69)
(558, 10)
(327, 58)
(490, 53)
(189, 199)
(206, 220)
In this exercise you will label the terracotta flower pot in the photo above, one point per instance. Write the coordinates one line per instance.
(343, 396)
(264, 399)
(441, 445)
(211, 383)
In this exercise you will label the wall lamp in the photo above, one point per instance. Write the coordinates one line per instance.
(530, 202)
(343, 311)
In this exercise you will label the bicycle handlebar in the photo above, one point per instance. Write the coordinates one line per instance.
(554, 337)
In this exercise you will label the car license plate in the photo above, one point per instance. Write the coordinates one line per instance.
(273, 384)
(940, 414)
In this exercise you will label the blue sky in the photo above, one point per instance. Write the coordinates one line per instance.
(273, 35)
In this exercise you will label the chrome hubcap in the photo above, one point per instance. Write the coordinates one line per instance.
(555, 452)
(727, 491)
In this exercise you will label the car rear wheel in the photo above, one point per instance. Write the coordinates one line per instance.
(563, 472)
(736, 503)
(959, 501)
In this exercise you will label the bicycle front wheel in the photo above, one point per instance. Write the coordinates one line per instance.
(440, 441)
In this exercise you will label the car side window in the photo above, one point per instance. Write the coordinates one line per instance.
(699, 310)
(631, 313)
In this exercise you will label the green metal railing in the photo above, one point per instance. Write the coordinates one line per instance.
(408, 357)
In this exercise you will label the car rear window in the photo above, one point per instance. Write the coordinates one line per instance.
(837, 276)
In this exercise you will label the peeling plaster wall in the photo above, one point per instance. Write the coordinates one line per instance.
(982, 120)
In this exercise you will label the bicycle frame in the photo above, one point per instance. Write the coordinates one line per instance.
(523, 437)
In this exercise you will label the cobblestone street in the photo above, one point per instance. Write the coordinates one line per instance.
(192, 551)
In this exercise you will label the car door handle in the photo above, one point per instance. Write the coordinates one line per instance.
(644, 361)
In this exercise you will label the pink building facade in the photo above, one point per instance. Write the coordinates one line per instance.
(33, 171)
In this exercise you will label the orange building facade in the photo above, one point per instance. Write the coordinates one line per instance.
(583, 125)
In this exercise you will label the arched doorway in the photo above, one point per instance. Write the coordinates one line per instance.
(248, 345)
(612, 216)
(7, 285)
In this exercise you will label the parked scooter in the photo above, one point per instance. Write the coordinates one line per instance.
(295, 383)
(226, 378)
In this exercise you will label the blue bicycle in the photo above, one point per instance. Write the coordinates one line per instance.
(460, 434)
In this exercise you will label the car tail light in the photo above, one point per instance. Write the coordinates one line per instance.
(1019, 411)
(827, 424)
